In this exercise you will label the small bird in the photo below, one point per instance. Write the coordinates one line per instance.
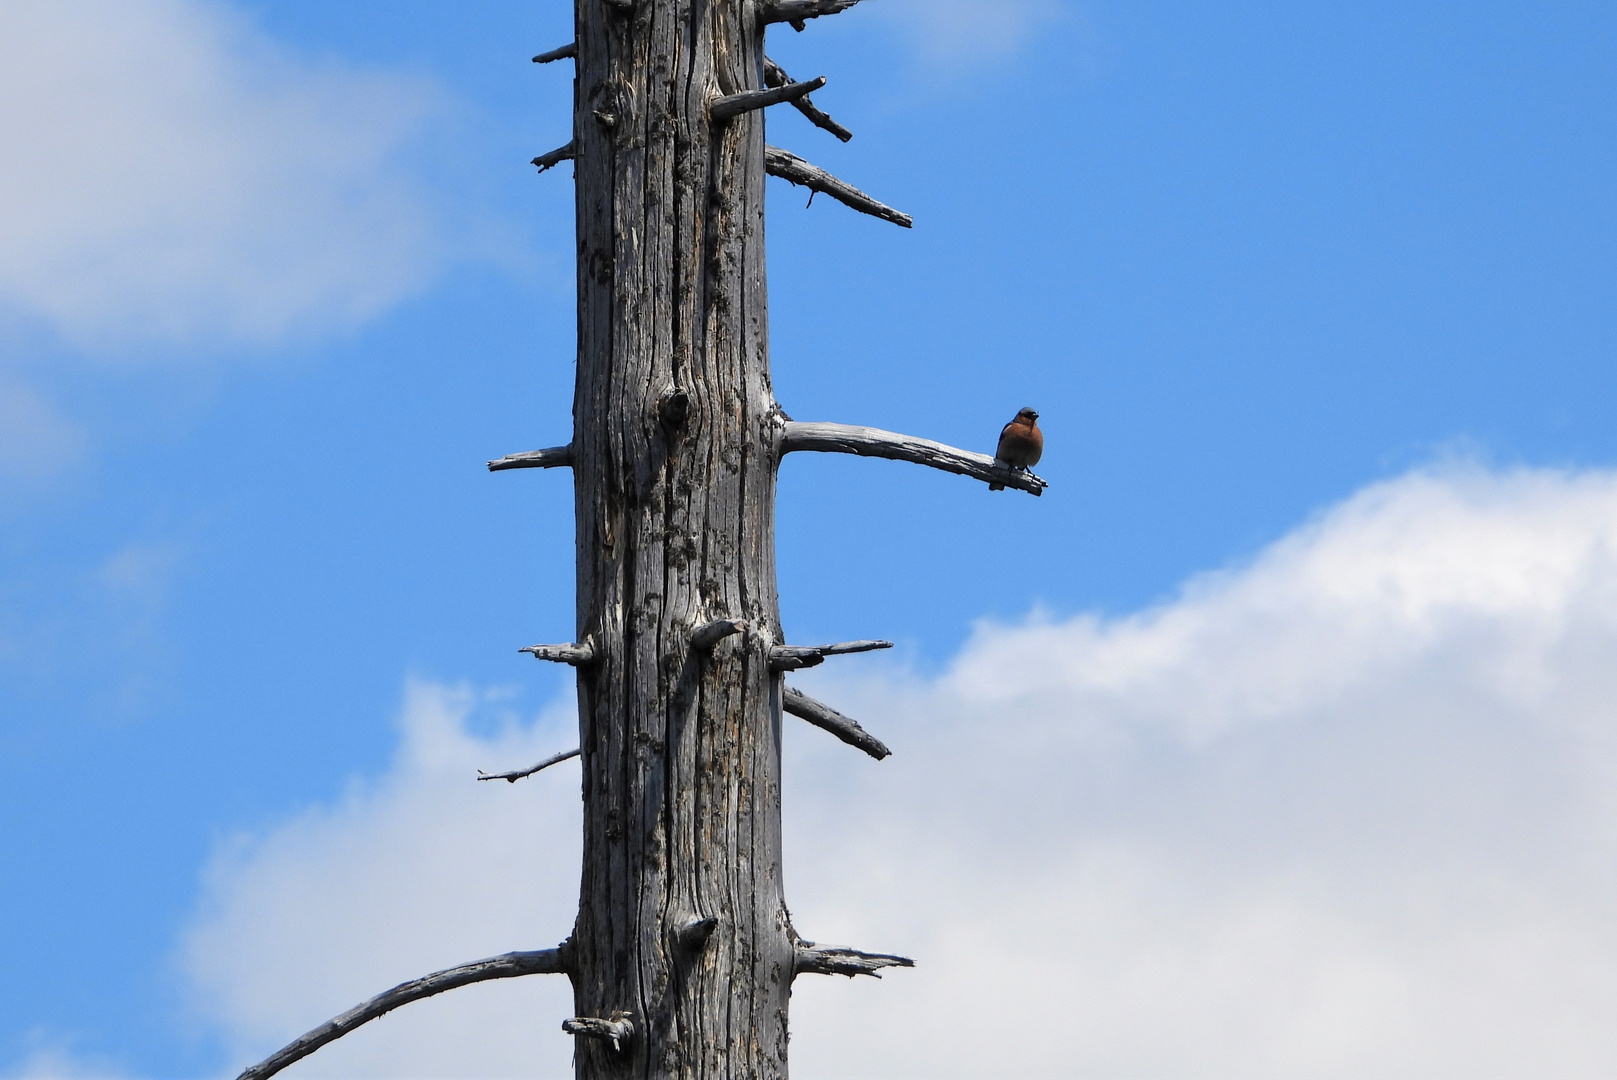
(1021, 444)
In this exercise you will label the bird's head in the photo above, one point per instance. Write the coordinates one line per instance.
(1026, 416)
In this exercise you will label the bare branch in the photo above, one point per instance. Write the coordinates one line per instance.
(774, 75)
(704, 637)
(793, 657)
(555, 157)
(747, 100)
(578, 655)
(619, 1029)
(513, 777)
(789, 166)
(551, 458)
(826, 718)
(510, 965)
(795, 11)
(874, 442)
(815, 959)
(568, 51)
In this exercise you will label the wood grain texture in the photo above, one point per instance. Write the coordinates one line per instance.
(551, 458)
(788, 166)
(674, 430)
(578, 655)
(874, 442)
(815, 959)
(510, 965)
(826, 718)
(796, 657)
(747, 100)
(795, 11)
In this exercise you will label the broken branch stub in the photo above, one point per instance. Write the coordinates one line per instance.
(775, 75)
(555, 157)
(795, 11)
(709, 634)
(617, 1030)
(788, 166)
(578, 655)
(812, 959)
(551, 458)
(826, 718)
(747, 100)
(793, 657)
(567, 52)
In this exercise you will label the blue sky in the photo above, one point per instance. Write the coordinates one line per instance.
(276, 280)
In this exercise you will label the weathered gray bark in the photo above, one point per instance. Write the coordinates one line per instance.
(683, 954)
(673, 454)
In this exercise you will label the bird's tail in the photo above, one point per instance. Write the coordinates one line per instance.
(1003, 464)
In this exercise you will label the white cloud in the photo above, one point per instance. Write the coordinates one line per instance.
(424, 869)
(1349, 810)
(173, 176)
(955, 31)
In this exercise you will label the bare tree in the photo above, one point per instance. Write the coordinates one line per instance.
(683, 954)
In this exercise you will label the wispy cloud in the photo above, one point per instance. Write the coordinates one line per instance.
(1348, 810)
(175, 177)
(964, 31)
(36, 441)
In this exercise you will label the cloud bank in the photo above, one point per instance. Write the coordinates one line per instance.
(173, 176)
(1347, 810)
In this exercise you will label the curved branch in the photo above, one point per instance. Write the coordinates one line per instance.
(826, 718)
(550, 458)
(874, 442)
(513, 777)
(510, 965)
(815, 959)
(789, 166)
(775, 75)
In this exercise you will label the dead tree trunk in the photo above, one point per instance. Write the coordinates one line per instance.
(682, 929)
(683, 954)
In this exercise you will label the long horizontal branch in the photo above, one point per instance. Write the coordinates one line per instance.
(826, 718)
(789, 166)
(555, 157)
(566, 52)
(513, 777)
(795, 11)
(775, 75)
(510, 965)
(793, 657)
(874, 442)
(550, 458)
(815, 959)
(747, 100)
